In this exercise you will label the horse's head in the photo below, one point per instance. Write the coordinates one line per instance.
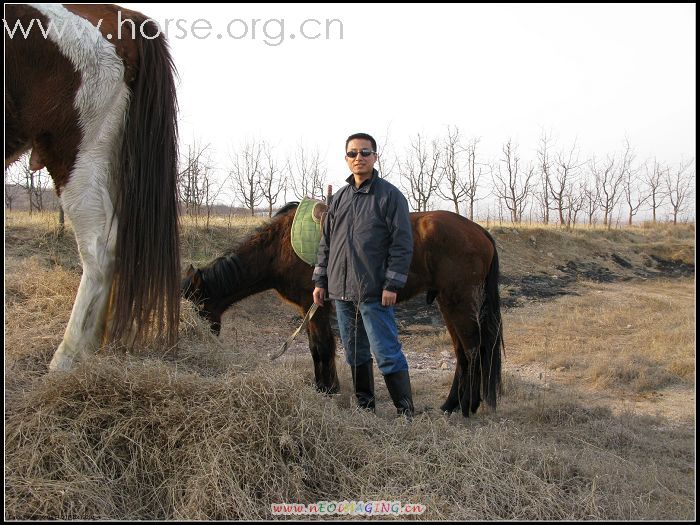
(193, 288)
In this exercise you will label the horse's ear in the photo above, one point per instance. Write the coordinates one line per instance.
(190, 271)
(197, 278)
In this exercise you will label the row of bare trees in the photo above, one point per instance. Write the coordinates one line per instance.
(254, 178)
(556, 185)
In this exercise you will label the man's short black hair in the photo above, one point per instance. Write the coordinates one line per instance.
(362, 136)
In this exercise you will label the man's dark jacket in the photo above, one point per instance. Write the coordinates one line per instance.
(367, 244)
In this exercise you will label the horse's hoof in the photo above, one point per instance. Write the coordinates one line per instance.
(64, 359)
(60, 363)
(328, 390)
(448, 408)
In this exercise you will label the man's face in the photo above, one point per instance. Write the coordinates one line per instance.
(360, 165)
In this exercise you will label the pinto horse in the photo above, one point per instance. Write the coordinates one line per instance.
(90, 90)
(454, 261)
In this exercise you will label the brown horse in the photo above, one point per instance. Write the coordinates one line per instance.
(90, 90)
(454, 260)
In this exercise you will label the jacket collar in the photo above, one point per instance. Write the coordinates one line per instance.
(366, 186)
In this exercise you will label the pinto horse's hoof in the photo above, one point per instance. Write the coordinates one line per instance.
(62, 361)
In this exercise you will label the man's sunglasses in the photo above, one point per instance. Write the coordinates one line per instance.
(365, 152)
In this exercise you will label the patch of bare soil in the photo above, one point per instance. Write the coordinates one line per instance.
(675, 403)
(518, 290)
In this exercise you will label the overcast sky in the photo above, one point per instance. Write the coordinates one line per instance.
(595, 73)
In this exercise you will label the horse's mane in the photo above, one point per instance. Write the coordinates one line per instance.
(223, 274)
(226, 273)
(289, 206)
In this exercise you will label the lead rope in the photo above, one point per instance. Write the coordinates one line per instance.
(286, 344)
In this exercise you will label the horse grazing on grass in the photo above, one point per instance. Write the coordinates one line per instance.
(454, 261)
(90, 90)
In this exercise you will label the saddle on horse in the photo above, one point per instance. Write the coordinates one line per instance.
(306, 229)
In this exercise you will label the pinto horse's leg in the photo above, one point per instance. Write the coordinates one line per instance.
(322, 346)
(96, 232)
(88, 201)
(84, 174)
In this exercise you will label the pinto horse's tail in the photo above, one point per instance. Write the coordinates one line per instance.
(146, 286)
(491, 333)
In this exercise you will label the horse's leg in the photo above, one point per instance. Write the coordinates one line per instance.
(91, 214)
(322, 346)
(476, 382)
(87, 200)
(470, 381)
(463, 326)
(469, 389)
(452, 401)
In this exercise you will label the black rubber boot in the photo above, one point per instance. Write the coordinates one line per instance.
(399, 386)
(363, 382)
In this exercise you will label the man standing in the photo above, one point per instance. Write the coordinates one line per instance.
(363, 260)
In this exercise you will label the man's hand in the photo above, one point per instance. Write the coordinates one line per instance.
(388, 298)
(319, 296)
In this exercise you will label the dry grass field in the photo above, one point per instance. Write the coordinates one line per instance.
(596, 421)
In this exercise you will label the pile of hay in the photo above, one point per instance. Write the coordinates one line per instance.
(138, 437)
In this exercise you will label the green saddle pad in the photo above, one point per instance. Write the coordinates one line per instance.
(306, 231)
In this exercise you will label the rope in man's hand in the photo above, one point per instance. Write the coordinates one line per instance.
(286, 344)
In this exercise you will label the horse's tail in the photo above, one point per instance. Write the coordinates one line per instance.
(145, 290)
(491, 333)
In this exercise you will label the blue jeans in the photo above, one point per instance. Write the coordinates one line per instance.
(375, 331)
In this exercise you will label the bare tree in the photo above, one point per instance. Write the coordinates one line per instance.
(513, 187)
(456, 187)
(575, 202)
(625, 170)
(43, 183)
(34, 183)
(654, 179)
(246, 174)
(591, 199)
(420, 172)
(545, 169)
(386, 163)
(608, 178)
(633, 192)
(473, 175)
(197, 183)
(561, 182)
(191, 178)
(307, 174)
(678, 187)
(271, 181)
(12, 188)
